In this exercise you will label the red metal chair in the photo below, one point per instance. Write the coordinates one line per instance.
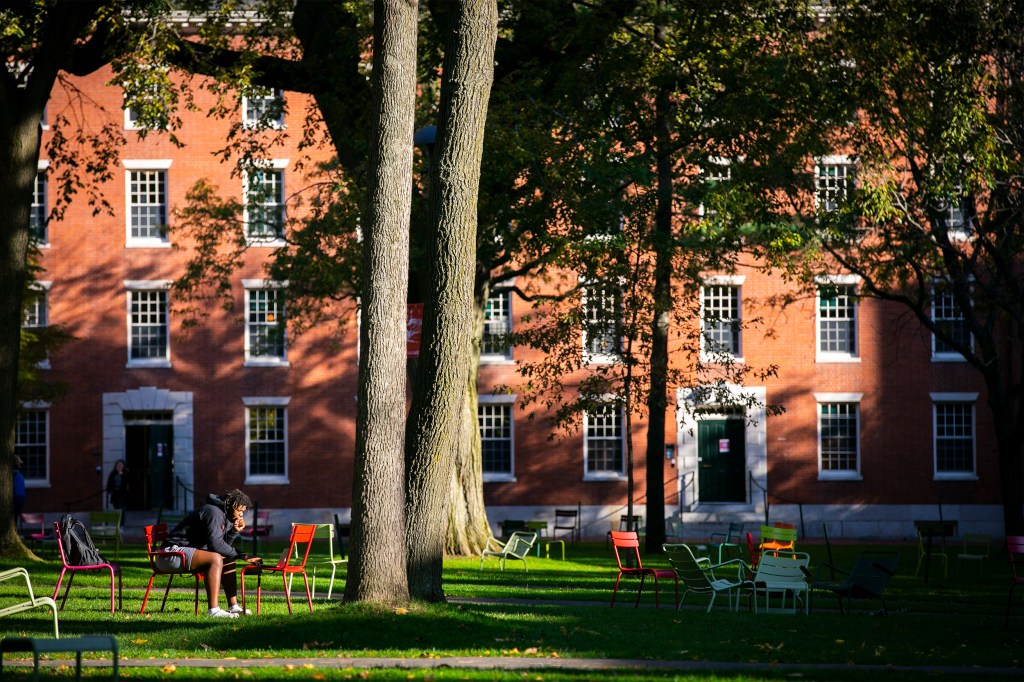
(71, 570)
(302, 538)
(629, 544)
(155, 535)
(1015, 548)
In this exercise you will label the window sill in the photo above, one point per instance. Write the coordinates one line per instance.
(266, 480)
(604, 478)
(257, 242)
(161, 363)
(601, 358)
(499, 478)
(965, 476)
(37, 483)
(949, 357)
(837, 359)
(839, 476)
(496, 360)
(266, 362)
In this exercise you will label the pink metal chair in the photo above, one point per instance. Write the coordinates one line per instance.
(630, 544)
(71, 570)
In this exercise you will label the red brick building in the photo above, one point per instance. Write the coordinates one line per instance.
(880, 426)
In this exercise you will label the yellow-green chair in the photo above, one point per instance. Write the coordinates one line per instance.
(105, 529)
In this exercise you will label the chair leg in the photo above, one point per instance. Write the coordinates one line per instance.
(309, 595)
(167, 591)
(67, 588)
(330, 586)
(288, 592)
(614, 591)
(145, 597)
(640, 592)
(56, 590)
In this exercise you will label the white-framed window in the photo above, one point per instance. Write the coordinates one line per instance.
(263, 108)
(838, 435)
(948, 316)
(266, 323)
(833, 180)
(39, 216)
(721, 318)
(954, 432)
(713, 174)
(148, 324)
(146, 193)
(494, 414)
(32, 443)
(266, 440)
(264, 202)
(494, 345)
(836, 320)
(37, 311)
(604, 442)
(602, 315)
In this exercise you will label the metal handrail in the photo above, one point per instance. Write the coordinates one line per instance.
(751, 482)
(179, 486)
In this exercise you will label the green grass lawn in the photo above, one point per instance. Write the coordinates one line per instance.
(557, 610)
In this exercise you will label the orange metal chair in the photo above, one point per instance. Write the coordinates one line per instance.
(1015, 548)
(70, 570)
(299, 544)
(626, 543)
(155, 535)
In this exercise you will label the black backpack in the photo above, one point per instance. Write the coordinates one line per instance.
(77, 543)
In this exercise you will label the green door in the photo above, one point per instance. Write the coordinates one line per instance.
(148, 456)
(722, 459)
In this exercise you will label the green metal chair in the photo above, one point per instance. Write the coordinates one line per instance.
(517, 546)
(32, 602)
(698, 576)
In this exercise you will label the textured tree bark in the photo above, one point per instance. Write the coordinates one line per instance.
(439, 395)
(377, 568)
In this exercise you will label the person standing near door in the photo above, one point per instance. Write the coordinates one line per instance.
(117, 487)
(19, 488)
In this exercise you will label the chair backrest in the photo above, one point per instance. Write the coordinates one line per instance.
(782, 566)
(1015, 548)
(105, 523)
(510, 526)
(630, 523)
(626, 544)
(685, 564)
(566, 519)
(871, 572)
(76, 548)
(155, 536)
(30, 521)
(519, 544)
(977, 544)
(299, 543)
(774, 539)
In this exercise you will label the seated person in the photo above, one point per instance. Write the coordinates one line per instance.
(205, 536)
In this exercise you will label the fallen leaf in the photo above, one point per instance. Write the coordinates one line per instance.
(169, 668)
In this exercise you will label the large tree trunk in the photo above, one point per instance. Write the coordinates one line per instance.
(440, 388)
(377, 564)
(468, 528)
(19, 148)
(657, 399)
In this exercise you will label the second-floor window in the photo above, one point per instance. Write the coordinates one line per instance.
(602, 307)
(264, 204)
(833, 179)
(39, 213)
(950, 319)
(720, 320)
(147, 205)
(954, 438)
(604, 441)
(267, 440)
(838, 439)
(263, 108)
(837, 321)
(265, 324)
(148, 327)
(497, 326)
(32, 443)
(495, 422)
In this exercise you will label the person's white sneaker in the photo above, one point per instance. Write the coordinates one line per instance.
(239, 611)
(221, 613)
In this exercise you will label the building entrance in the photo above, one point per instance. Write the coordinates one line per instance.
(721, 457)
(149, 447)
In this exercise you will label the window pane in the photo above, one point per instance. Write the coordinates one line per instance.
(35, 309)
(950, 319)
(147, 204)
(831, 185)
(722, 319)
(264, 108)
(148, 324)
(837, 319)
(497, 325)
(30, 443)
(604, 440)
(496, 437)
(603, 309)
(954, 437)
(266, 441)
(266, 323)
(838, 430)
(265, 204)
(37, 218)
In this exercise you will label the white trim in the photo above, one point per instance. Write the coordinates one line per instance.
(725, 280)
(838, 279)
(838, 397)
(966, 397)
(147, 284)
(43, 164)
(265, 401)
(834, 160)
(265, 284)
(269, 402)
(510, 400)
